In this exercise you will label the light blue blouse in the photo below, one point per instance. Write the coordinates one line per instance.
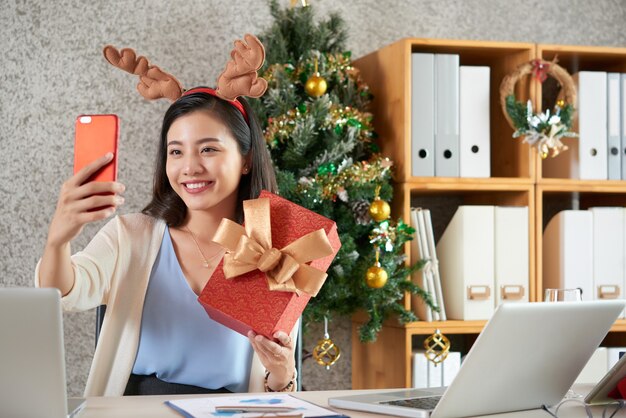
(179, 342)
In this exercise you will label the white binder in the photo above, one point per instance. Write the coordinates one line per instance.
(420, 277)
(592, 125)
(511, 254)
(426, 374)
(623, 122)
(608, 252)
(428, 270)
(420, 369)
(466, 263)
(447, 115)
(451, 366)
(422, 114)
(474, 131)
(434, 266)
(586, 157)
(568, 252)
(614, 158)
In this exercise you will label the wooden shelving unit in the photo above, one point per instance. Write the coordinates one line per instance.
(516, 177)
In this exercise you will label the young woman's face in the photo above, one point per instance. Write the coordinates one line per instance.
(203, 165)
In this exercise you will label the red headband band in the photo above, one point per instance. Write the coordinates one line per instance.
(212, 92)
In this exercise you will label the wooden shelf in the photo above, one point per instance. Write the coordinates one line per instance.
(584, 58)
(455, 327)
(427, 328)
(574, 185)
(516, 178)
(619, 326)
(460, 183)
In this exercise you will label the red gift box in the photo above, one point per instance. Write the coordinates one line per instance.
(245, 302)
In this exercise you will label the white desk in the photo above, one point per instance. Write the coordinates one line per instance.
(153, 406)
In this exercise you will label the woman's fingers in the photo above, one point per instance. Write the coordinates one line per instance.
(98, 202)
(260, 347)
(98, 187)
(90, 169)
(272, 351)
(284, 339)
(96, 215)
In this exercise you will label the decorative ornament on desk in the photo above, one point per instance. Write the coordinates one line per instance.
(379, 209)
(376, 276)
(437, 347)
(326, 353)
(542, 130)
(316, 85)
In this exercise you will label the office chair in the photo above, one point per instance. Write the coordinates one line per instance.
(100, 311)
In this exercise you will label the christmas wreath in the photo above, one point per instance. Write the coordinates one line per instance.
(542, 130)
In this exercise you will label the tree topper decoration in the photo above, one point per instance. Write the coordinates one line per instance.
(542, 130)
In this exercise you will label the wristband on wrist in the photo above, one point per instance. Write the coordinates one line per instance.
(288, 388)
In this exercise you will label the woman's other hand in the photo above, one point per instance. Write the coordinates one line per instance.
(81, 201)
(278, 358)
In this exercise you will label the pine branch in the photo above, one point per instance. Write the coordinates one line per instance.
(302, 139)
(334, 154)
(517, 112)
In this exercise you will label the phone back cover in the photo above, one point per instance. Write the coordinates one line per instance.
(94, 139)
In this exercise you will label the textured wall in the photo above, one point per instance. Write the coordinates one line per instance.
(51, 70)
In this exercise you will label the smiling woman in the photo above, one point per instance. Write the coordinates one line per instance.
(149, 268)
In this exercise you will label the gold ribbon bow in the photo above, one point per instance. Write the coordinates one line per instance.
(250, 248)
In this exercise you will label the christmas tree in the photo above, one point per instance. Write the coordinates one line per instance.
(324, 149)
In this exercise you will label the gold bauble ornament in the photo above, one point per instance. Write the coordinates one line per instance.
(315, 86)
(326, 353)
(376, 277)
(437, 347)
(379, 210)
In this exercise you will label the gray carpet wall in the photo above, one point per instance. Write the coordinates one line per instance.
(51, 69)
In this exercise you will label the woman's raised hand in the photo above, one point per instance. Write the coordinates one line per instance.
(81, 201)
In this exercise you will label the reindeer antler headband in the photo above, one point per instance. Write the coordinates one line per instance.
(239, 77)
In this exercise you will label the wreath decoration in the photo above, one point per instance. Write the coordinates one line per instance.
(542, 130)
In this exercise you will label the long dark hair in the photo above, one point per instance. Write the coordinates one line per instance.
(165, 203)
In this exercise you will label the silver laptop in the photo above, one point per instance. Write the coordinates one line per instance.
(528, 355)
(32, 360)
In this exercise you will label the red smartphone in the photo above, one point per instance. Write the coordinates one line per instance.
(95, 136)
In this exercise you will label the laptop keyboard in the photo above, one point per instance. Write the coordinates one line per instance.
(418, 403)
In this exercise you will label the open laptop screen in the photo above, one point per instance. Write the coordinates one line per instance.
(32, 381)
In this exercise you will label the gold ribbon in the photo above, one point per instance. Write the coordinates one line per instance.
(250, 248)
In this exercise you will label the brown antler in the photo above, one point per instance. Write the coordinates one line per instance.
(239, 77)
(154, 83)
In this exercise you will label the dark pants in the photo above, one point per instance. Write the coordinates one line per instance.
(152, 385)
